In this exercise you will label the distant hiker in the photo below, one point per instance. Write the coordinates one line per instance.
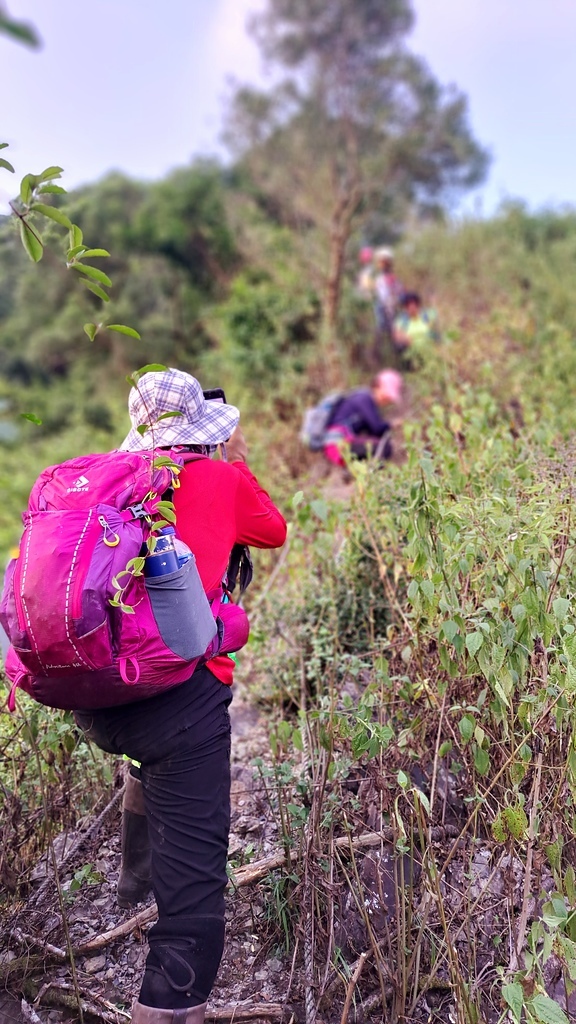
(365, 279)
(387, 293)
(356, 423)
(387, 287)
(414, 329)
(176, 811)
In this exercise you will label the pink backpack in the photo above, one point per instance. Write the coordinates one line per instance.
(70, 647)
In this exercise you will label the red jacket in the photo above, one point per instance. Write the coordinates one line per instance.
(219, 504)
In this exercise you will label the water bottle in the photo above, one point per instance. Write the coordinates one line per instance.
(183, 552)
(163, 559)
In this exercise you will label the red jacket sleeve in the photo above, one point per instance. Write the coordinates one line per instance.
(258, 521)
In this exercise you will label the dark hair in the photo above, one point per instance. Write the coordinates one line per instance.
(198, 449)
(409, 297)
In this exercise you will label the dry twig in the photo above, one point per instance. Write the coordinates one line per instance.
(352, 985)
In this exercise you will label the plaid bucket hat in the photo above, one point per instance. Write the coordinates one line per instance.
(173, 391)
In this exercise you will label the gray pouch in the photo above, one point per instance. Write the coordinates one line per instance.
(182, 611)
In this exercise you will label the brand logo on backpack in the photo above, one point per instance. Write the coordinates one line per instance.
(81, 484)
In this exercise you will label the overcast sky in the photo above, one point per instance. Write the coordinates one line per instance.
(138, 86)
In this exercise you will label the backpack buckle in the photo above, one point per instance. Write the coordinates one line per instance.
(138, 511)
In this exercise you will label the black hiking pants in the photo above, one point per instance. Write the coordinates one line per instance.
(182, 740)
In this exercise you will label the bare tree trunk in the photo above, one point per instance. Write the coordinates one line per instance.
(339, 236)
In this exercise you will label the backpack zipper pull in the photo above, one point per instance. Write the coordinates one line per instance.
(114, 538)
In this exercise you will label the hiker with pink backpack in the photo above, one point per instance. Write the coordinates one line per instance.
(125, 617)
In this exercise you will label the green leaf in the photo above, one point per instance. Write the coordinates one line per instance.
(30, 416)
(149, 368)
(94, 252)
(422, 799)
(6, 165)
(561, 607)
(320, 509)
(529, 599)
(450, 629)
(135, 565)
(53, 190)
(481, 760)
(91, 330)
(168, 514)
(474, 642)
(570, 884)
(31, 242)
(49, 173)
(547, 1010)
(51, 211)
(568, 948)
(4, 145)
(97, 290)
(76, 236)
(74, 252)
(554, 912)
(513, 994)
(94, 273)
(169, 415)
(19, 30)
(26, 186)
(466, 726)
(159, 525)
(121, 329)
(143, 428)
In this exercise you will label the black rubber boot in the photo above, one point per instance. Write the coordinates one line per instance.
(135, 880)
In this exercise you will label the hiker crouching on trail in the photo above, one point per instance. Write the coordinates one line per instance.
(176, 812)
(356, 424)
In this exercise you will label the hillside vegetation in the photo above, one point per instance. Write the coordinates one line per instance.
(414, 645)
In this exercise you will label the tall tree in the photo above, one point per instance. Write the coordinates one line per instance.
(357, 131)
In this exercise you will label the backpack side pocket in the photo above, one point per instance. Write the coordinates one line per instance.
(182, 611)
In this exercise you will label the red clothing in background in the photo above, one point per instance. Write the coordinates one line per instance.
(219, 504)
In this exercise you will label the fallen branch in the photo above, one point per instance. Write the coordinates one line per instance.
(255, 1011)
(62, 996)
(29, 1013)
(254, 872)
(140, 919)
(27, 940)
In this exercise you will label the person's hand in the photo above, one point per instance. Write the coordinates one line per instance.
(236, 447)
